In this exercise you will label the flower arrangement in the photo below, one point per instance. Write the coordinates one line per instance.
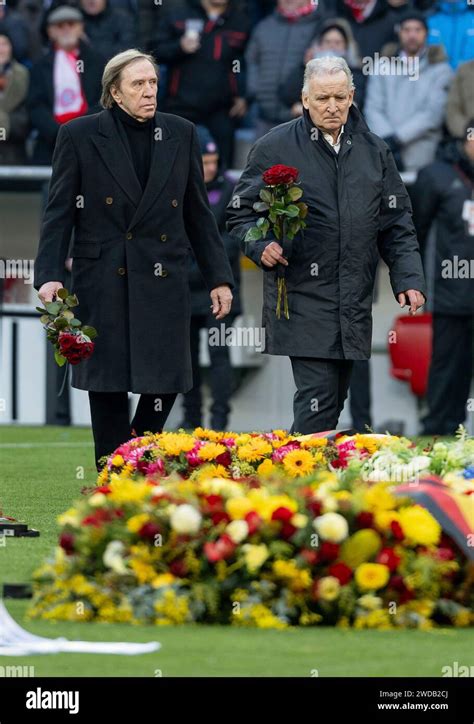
(284, 214)
(265, 530)
(71, 339)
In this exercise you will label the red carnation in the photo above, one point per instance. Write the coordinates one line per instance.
(283, 514)
(287, 530)
(280, 174)
(253, 521)
(397, 530)
(328, 551)
(223, 548)
(389, 558)
(365, 519)
(219, 516)
(66, 541)
(310, 556)
(178, 568)
(224, 459)
(315, 507)
(340, 571)
(149, 531)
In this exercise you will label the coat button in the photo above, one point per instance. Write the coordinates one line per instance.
(348, 141)
(121, 271)
(164, 273)
(174, 203)
(129, 235)
(163, 237)
(109, 200)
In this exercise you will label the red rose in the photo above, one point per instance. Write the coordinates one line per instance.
(149, 531)
(365, 520)
(223, 548)
(66, 541)
(253, 521)
(315, 507)
(178, 568)
(287, 530)
(280, 174)
(283, 514)
(328, 551)
(224, 459)
(310, 556)
(340, 571)
(219, 516)
(396, 529)
(389, 558)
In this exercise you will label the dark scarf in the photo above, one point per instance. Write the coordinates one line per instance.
(137, 137)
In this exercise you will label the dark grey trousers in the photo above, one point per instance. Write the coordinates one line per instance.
(321, 389)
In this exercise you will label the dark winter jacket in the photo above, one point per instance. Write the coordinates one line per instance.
(209, 79)
(219, 193)
(358, 209)
(440, 197)
(373, 32)
(111, 31)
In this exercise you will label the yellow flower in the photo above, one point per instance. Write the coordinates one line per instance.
(255, 556)
(171, 608)
(211, 450)
(254, 450)
(384, 518)
(371, 576)
(176, 443)
(360, 547)
(298, 463)
(369, 442)
(419, 526)
(164, 579)
(298, 579)
(238, 508)
(143, 571)
(378, 497)
(124, 490)
(214, 436)
(265, 504)
(117, 461)
(308, 441)
(210, 471)
(370, 602)
(70, 517)
(265, 468)
(328, 588)
(136, 522)
(299, 520)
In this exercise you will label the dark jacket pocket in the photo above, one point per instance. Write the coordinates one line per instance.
(86, 249)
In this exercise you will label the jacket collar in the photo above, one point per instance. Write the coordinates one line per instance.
(355, 122)
(121, 167)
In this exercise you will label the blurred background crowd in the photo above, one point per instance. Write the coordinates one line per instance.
(235, 68)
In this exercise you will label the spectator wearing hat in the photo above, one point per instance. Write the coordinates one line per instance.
(407, 109)
(109, 30)
(276, 48)
(65, 83)
(202, 44)
(443, 203)
(335, 38)
(452, 24)
(221, 380)
(13, 114)
(460, 108)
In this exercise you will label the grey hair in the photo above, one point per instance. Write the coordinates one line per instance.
(327, 65)
(113, 70)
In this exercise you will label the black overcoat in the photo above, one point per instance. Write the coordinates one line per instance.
(131, 250)
(358, 209)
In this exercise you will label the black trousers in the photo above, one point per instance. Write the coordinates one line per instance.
(110, 417)
(360, 395)
(221, 377)
(450, 374)
(321, 389)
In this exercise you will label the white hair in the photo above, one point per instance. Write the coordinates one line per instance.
(327, 65)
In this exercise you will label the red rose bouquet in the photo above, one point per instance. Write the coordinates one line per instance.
(71, 339)
(283, 214)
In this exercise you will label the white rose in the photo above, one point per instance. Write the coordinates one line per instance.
(238, 530)
(421, 462)
(332, 527)
(185, 519)
(113, 557)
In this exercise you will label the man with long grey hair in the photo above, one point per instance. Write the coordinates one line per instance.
(129, 182)
(358, 210)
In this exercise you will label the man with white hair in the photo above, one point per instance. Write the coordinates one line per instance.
(358, 209)
(129, 182)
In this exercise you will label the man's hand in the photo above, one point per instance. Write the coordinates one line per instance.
(221, 301)
(48, 290)
(239, 108)
(272, 255)
(412, 297)
(190, 43)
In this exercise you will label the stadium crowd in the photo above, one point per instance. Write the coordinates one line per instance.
(235, 67)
